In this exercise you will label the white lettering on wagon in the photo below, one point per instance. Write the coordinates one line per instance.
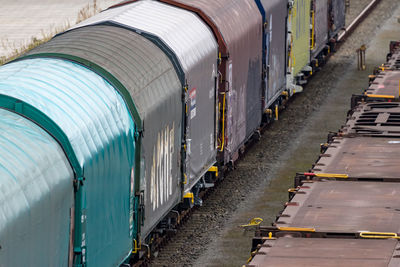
(161, 169)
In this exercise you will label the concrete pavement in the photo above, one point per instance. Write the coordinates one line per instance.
(23, 20)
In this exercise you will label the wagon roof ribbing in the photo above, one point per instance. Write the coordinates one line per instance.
(36, 194)
(140, 66)
(94, 118)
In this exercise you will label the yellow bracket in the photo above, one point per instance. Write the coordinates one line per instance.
(185, 176)
(379, 235)
(136, 248)
(313, 30)
(189, 196)
(332, 175)
(214, 169)
(253, 222)
(292, 190)
(296, 229)
(285, 94)
(381, 96)
(221, 146)
(268, 111)
(276, 112)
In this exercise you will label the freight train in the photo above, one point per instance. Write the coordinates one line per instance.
(345, 210)
(110, 130)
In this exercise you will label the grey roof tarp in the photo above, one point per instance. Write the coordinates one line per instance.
(36, 195)
(276, 13)
(150, 78)
(320, 26)
(196, 49)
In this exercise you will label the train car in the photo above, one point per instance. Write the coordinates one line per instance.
(337, 17)
(150, 82)
(325, 208)
(326, 252)
(195, 62)
(374, 119)
(275, 14)
(36, 195)
(237, 26)
(143, 100)
(358, 159)
(384, 84)
(345, 207)
(91, 122)
(299, 38)
(319, 32)
(193, 49)
(393, 58)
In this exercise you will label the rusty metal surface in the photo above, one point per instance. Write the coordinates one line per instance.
(344, 207)
(374, 119)
(237, 25)
(362, 157)
(386, 82)
(324, 252)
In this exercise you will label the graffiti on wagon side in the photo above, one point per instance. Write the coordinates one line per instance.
(161, 169)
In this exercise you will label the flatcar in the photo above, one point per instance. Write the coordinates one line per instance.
(345, 210)
(141, 107)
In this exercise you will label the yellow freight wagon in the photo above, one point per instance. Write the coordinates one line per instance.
(299, 34)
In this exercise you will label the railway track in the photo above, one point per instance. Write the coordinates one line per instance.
(194, 224)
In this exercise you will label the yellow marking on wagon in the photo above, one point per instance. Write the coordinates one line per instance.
(379, 235)
(296, 229)
(332, 175)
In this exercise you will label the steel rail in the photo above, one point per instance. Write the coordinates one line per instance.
(360, 18)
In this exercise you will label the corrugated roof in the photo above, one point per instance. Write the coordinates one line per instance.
(182, 31)
(97, 123)
(135, 61)
(152, 82)
(193, 50)
(36, 195)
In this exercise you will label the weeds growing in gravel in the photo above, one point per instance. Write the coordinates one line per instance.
(17, 50)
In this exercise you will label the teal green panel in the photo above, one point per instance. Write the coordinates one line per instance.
(36, 195)
(97, 122)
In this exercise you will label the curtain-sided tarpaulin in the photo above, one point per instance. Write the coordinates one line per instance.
(275, 23)
(237, 26)
(185, 36)
(36, 195)
(151, 80)
(97, 123)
